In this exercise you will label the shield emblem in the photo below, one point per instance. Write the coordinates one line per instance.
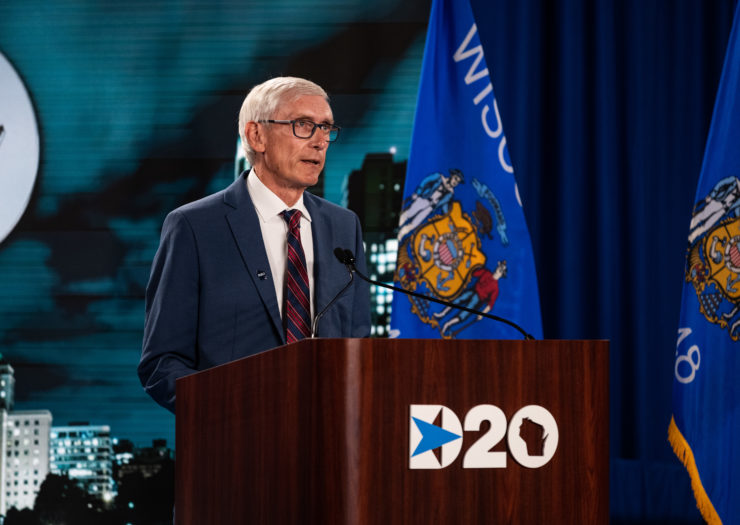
(722, 253)
(447, 250)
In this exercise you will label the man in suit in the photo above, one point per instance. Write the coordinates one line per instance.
(239, 272)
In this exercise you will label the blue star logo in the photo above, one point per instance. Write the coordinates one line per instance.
(432, 436)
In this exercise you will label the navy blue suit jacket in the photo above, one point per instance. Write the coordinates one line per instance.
(211, 298)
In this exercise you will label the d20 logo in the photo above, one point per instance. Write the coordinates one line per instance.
(532, 437)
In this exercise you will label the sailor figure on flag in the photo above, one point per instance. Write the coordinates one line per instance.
(434, 193)
(723, 200)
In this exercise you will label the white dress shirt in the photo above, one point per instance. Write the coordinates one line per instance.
(275, 234)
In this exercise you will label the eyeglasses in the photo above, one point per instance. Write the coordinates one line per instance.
(304, 129)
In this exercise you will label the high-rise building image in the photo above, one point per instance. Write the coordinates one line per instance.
(381, 263)
(374, 193)
(145, 480)
(7, 394)
(7, 386)
(84, 453)
(26, 456)
(147, 461)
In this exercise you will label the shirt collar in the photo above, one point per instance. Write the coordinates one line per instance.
(266, 203)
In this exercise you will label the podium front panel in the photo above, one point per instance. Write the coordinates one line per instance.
(397, 431)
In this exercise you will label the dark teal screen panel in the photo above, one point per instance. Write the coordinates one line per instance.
(137, 105)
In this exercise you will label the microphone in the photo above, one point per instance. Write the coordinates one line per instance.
(347, 258)
(315, 324)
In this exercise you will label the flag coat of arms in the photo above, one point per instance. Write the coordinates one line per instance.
(462, 234)
(705, 428)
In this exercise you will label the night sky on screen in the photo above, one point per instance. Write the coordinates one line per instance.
(137, 107)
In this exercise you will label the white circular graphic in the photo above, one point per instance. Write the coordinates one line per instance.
(537, 420)
(19, 148)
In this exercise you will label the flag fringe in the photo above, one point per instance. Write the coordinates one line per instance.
(683, 451)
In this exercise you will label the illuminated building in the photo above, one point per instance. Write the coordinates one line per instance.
(84, 453)
(147, 461)
(375, 193)
(7, 386)
(26, 456)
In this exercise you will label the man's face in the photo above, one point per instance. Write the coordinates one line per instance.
(290, 162)
(501, 269)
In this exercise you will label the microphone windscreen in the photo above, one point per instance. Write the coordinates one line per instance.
(339, 254)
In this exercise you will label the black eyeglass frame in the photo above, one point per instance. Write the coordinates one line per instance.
(326, 128)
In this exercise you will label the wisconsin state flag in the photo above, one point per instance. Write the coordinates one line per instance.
(462, 235)
(705, 428)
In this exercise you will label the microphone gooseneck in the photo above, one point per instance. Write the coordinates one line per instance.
(315, 324)
(347, 258)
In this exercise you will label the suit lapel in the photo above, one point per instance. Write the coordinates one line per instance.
(326, 285)
(244, 224)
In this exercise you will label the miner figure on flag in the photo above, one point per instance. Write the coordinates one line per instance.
(481, 296)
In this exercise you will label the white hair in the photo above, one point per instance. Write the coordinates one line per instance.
(263, 100)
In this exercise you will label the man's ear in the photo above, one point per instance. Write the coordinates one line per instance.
(255, 136)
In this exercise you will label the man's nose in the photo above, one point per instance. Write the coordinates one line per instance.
(319, 141)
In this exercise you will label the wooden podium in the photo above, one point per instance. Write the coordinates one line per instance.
(320, 431)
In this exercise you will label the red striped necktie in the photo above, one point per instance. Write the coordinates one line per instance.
(297, 310)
